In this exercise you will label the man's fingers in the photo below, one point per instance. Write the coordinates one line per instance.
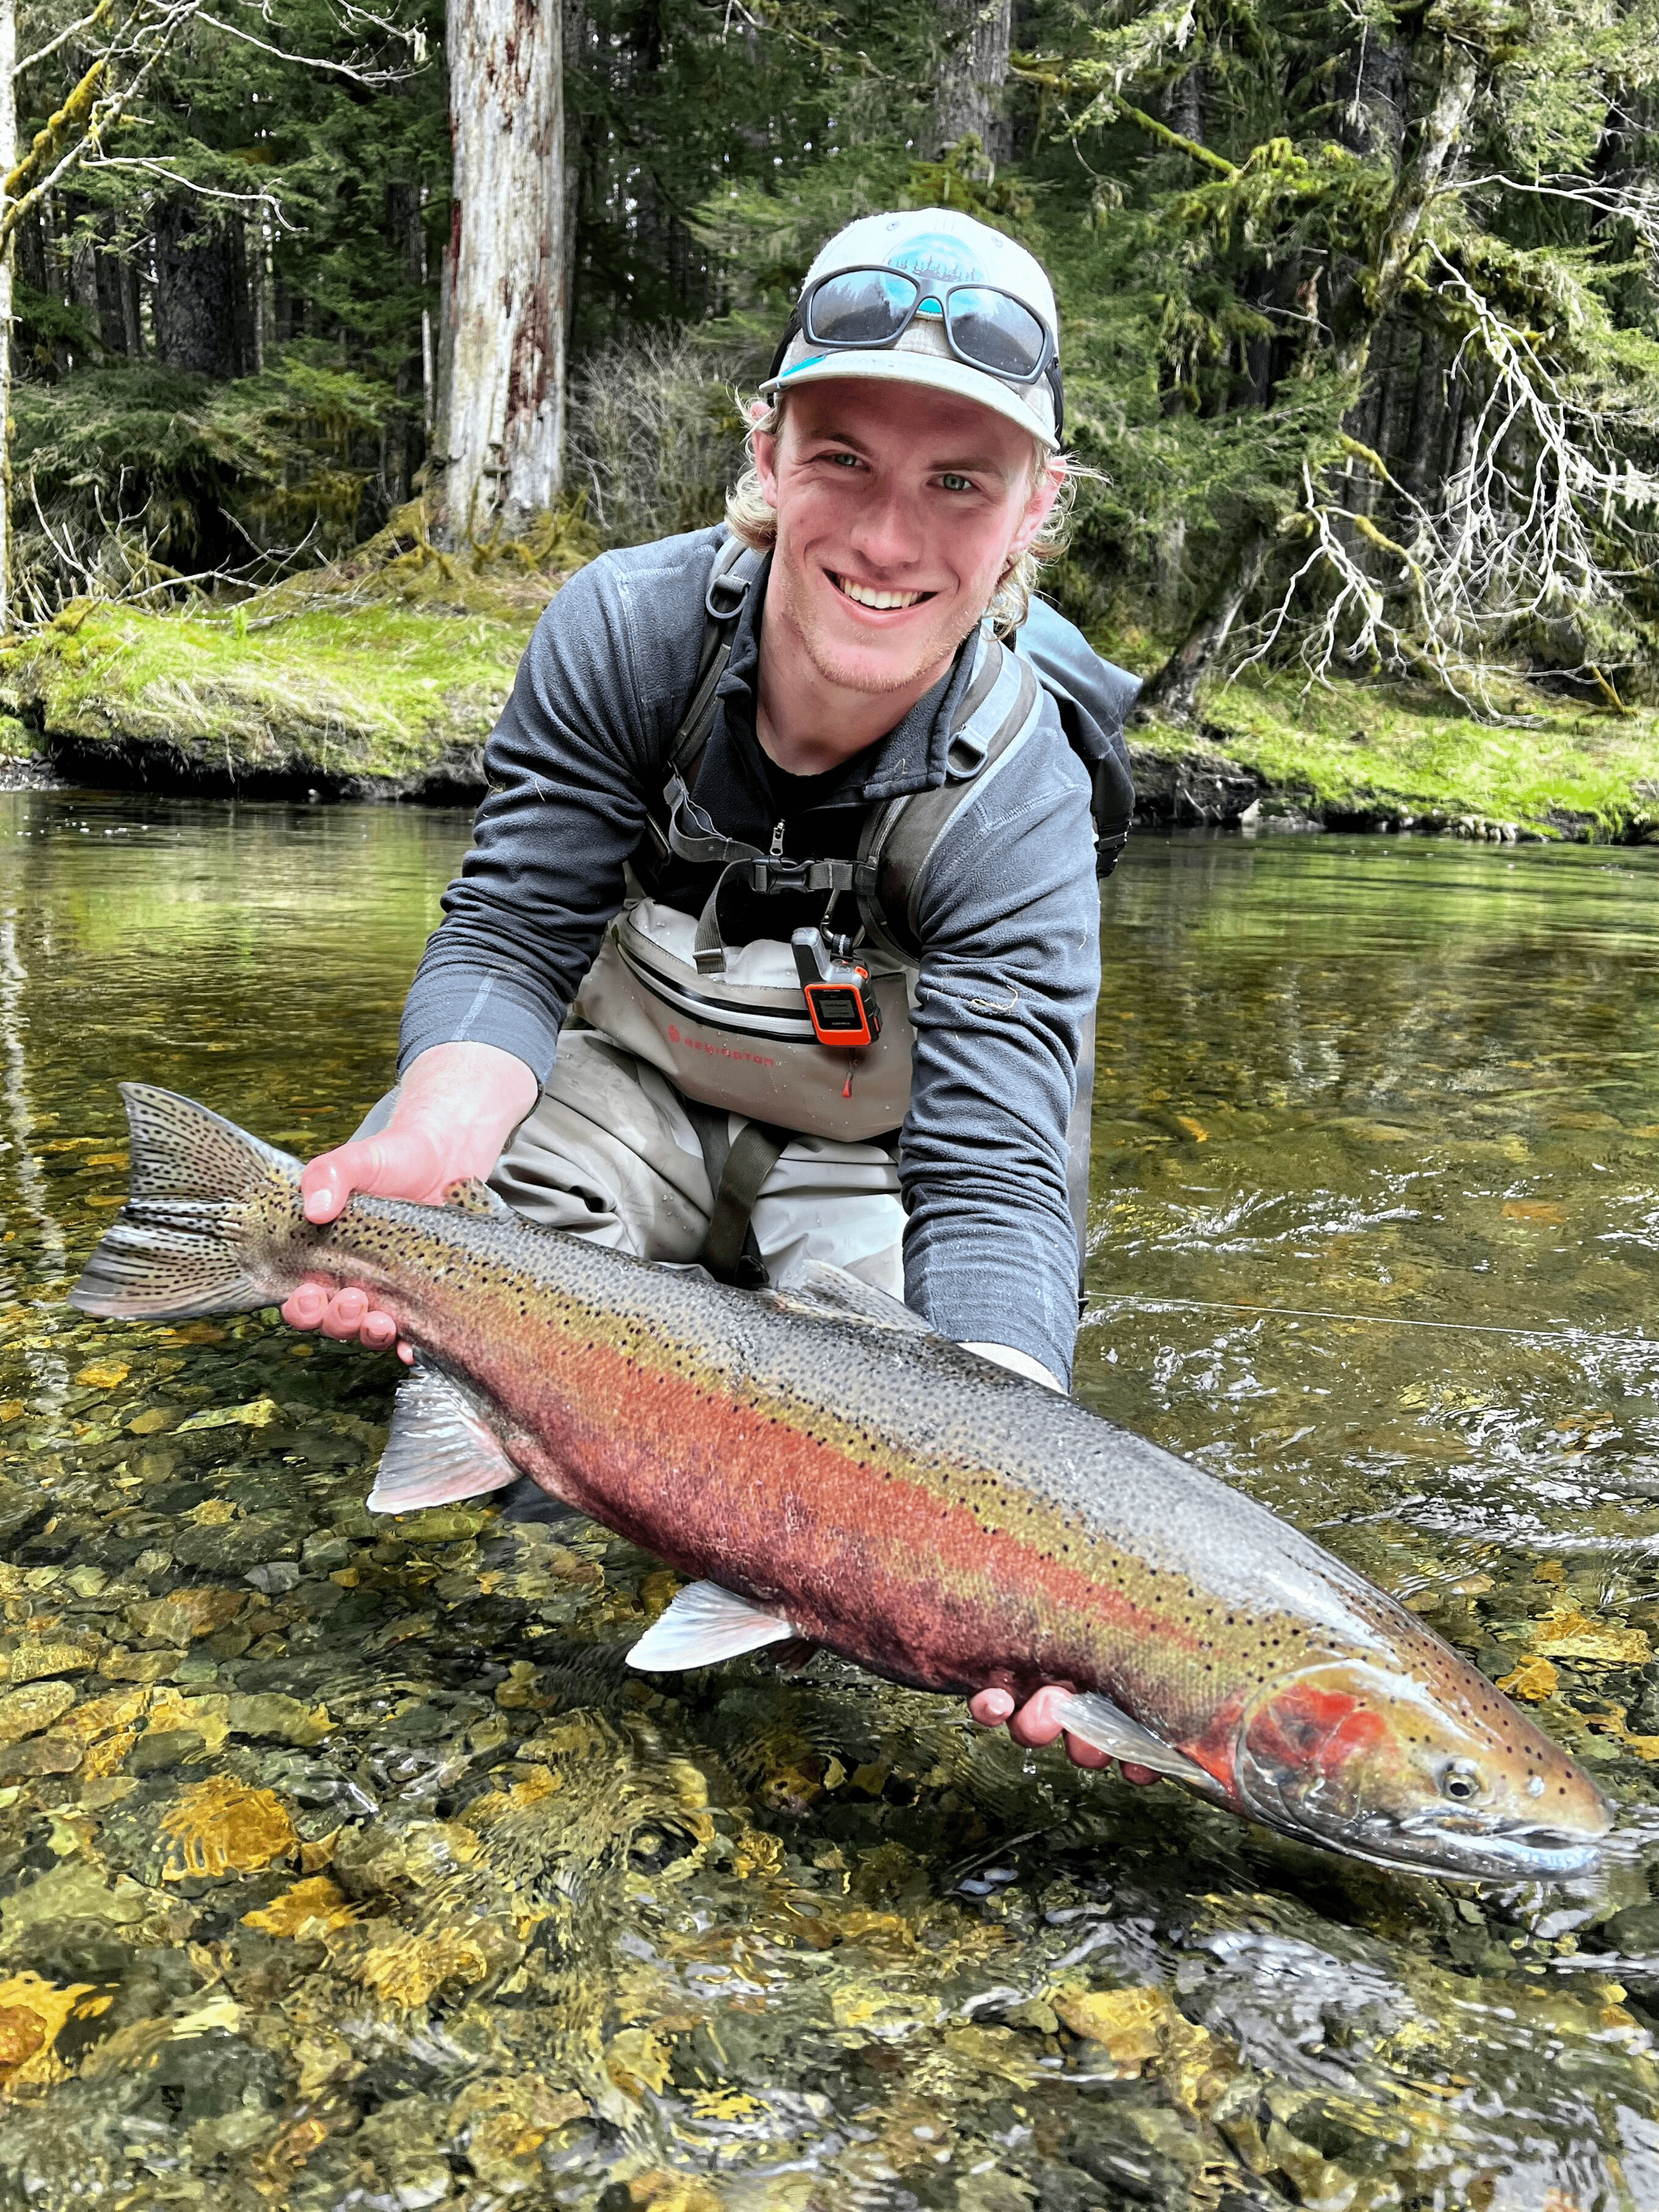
(1133, 1773)
(1037, 1722)
(1084, 1754)
(378, 1331)
(304, 1309)
(990, 1708)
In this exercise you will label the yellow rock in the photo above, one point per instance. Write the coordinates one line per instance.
(32, 2016)
(257, 1413)
(186, 1615)
(25, 1712)
(308, 1909)
(1534, 1209)
(222, 1827)
(152, 1421)
(662, 2191)
(31, 1659)
(1534, 1680)
(1195, 1130)
(11, 1409)
(636, 2060)
(1574, 1635)
(105, 1374)
(408, 1970)
(1130, 2023)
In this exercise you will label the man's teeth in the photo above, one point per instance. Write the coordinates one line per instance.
(867, 598)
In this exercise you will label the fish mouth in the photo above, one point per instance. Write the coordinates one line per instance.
(1428, 1845)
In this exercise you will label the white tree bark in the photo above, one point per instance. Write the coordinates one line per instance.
(8, 163)
(500, 438)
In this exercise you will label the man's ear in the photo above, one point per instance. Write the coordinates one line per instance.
(1050, 477)
(763, 444)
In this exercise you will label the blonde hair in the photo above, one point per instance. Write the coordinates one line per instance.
(749, 517)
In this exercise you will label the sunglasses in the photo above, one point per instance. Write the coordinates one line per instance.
(868, 310)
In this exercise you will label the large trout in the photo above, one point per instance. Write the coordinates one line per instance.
(828, 1469)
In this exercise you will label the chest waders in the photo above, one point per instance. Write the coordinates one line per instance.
(729, 1025)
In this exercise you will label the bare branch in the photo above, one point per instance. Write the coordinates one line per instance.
(70, 31)
(367, 77)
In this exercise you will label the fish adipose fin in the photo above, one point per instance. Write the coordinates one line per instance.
(176, 1248)
(469, 1195)
(704, 1625)
(832, 1294)
(1097, 1721)
(439, 1451)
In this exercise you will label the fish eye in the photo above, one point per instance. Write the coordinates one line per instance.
(1461, 1781)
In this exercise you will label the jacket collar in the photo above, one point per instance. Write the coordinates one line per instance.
(912, 756)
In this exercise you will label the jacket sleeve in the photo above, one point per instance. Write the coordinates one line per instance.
(1009, 920)
(568, 765)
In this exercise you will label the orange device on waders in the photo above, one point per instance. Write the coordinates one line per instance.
(839, 994)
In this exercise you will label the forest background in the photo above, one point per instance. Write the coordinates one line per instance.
(339, 335)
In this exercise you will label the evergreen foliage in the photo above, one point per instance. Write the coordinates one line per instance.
(1361, 325)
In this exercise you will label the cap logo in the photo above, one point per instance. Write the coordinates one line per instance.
(936, 255)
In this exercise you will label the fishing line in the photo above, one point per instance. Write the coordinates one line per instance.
(1382, 1320)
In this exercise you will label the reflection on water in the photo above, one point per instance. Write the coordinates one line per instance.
(343, 1864)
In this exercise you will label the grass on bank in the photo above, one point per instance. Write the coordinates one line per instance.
(390, 667)
(1561, 766)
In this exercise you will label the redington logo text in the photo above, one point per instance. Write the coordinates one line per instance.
(720, 1051)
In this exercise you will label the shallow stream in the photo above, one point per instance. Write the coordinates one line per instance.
(342, 1862)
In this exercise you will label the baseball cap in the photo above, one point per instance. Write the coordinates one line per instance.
(953, 250)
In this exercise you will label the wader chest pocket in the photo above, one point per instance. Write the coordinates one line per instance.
(745, 1039)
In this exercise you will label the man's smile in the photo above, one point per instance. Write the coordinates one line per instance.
(867, 595)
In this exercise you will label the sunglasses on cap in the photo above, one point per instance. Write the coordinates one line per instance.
(869, 310)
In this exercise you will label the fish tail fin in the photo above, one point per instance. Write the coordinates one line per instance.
(178, 1245)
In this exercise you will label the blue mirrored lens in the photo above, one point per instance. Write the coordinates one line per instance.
(994, 331)
(866, 306)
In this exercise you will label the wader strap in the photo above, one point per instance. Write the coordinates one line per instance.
(899, 838)
(769, 874)
(754, 1154)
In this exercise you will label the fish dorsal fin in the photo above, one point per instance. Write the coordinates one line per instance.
(468, 1195)
(704, 1625)
(1109, 1728)
(830, 1293)
(439, 1449)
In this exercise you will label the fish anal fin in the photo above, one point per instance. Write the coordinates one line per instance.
(439, 1449)
(468, 1195)
(705, 1624)
(1096, 1720)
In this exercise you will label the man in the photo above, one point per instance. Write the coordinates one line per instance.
(814, 748)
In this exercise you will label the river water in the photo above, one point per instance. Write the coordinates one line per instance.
(343, 1863)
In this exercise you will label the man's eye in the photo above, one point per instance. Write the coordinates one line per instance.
(952, 482)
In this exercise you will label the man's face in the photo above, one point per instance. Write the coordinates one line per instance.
(898, 510)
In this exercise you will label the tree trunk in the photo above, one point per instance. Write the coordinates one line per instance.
(501, 380)
(8, 163)
(973, 75)
(1174, 691)
(1365, 306)
(195, 290)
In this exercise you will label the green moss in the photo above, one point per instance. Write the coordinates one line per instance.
(376, 693)
(1387, 749)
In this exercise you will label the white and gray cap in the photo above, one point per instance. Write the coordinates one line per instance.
(953, 248)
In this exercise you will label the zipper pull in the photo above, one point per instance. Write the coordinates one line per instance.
(777, 840)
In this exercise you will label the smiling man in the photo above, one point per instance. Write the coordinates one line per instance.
(808, 853)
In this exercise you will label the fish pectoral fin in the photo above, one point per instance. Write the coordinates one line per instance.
(830, 1293)
(468, 1195)
(704, 1625)
(439, 1449)
(1097, 1721)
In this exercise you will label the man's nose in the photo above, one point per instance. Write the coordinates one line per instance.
(888, 531)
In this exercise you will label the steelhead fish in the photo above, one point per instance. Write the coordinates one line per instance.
(829, 1469)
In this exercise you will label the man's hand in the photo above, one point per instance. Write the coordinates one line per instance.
(458, 1106)
(1035, 1723)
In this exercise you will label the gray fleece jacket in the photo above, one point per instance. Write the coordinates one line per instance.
(1008, 916)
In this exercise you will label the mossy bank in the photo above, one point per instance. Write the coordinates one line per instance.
(381, 679)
